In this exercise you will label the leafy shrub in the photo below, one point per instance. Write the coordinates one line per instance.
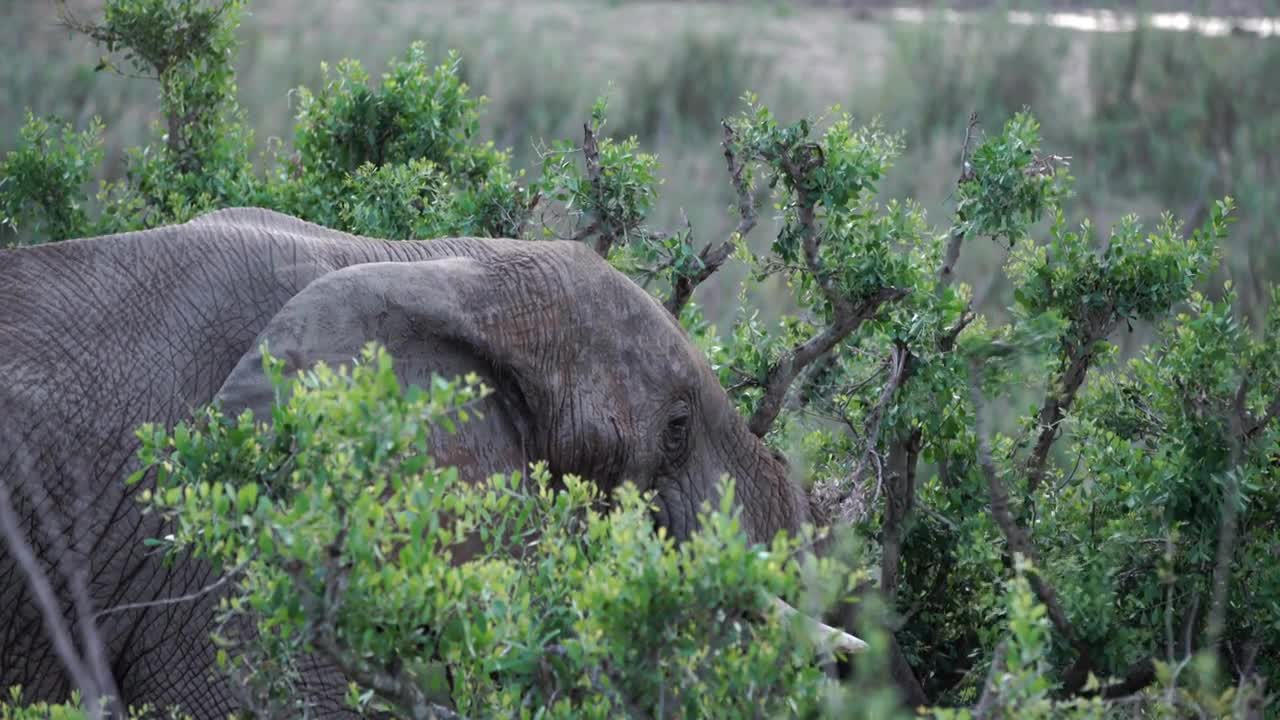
(13, 708)
(1112, 539)
(342, 534)
(350, 136)
(44, 179)
(397, 160)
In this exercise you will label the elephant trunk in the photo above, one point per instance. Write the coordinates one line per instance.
(771, 499)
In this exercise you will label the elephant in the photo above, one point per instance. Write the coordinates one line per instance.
(590, 374)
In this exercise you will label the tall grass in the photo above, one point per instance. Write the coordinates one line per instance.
(1151, 120)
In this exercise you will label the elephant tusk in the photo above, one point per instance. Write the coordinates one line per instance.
(838, 639)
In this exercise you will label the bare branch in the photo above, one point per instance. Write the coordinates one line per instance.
(196, 595)
(946, 275)
(87, 665)
(899, 362)
(991, 688)
(75, 569)
(1016, 536)
(1061, 393)
(1227, 525)
(782, 374)
(965, 171)
(591, 152)
(712, 259)
(54, 621)
(900, 497)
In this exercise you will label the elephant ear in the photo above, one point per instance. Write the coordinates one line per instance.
(445, 316)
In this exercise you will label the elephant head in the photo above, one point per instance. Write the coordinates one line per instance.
(590, 373)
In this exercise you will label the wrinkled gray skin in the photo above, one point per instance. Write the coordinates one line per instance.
(100, 335)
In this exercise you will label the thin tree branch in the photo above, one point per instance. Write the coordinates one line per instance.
(606, 226)
(54, 621)
(709, 260)
(1227, 525)
(900, 499)
(899, 363)
(1016, 536)
(87, 664)
(211, 587)
(1058, 399)
(712, 259)
(1140, 674)
(798, 164)
(784, 372)
(991, 688)
(948, 341)
(946, 275)
(75, 568)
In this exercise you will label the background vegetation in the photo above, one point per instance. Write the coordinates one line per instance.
(1153, 120)
(1017, 559)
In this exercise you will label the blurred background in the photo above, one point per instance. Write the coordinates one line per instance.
(1152, 119)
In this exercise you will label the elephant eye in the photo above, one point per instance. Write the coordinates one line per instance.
(675, 437)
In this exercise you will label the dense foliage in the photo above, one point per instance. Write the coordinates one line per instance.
(343, 533)
(1107, 550)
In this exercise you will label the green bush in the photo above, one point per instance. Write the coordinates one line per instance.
(13, 708)
(1052, 531)
(342, 532)
(43, 179)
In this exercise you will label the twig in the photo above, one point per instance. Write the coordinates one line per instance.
(87, 664)
(1015, 536)
(780, 376)
(605, 224)
(966, 173)
(899, 362)
(991, 688)
(948, 340)
(1230, 517)
(946, 275)
(75, 569)
(211, 587)
(1057, 402)
(710, 259)
(54, 621)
